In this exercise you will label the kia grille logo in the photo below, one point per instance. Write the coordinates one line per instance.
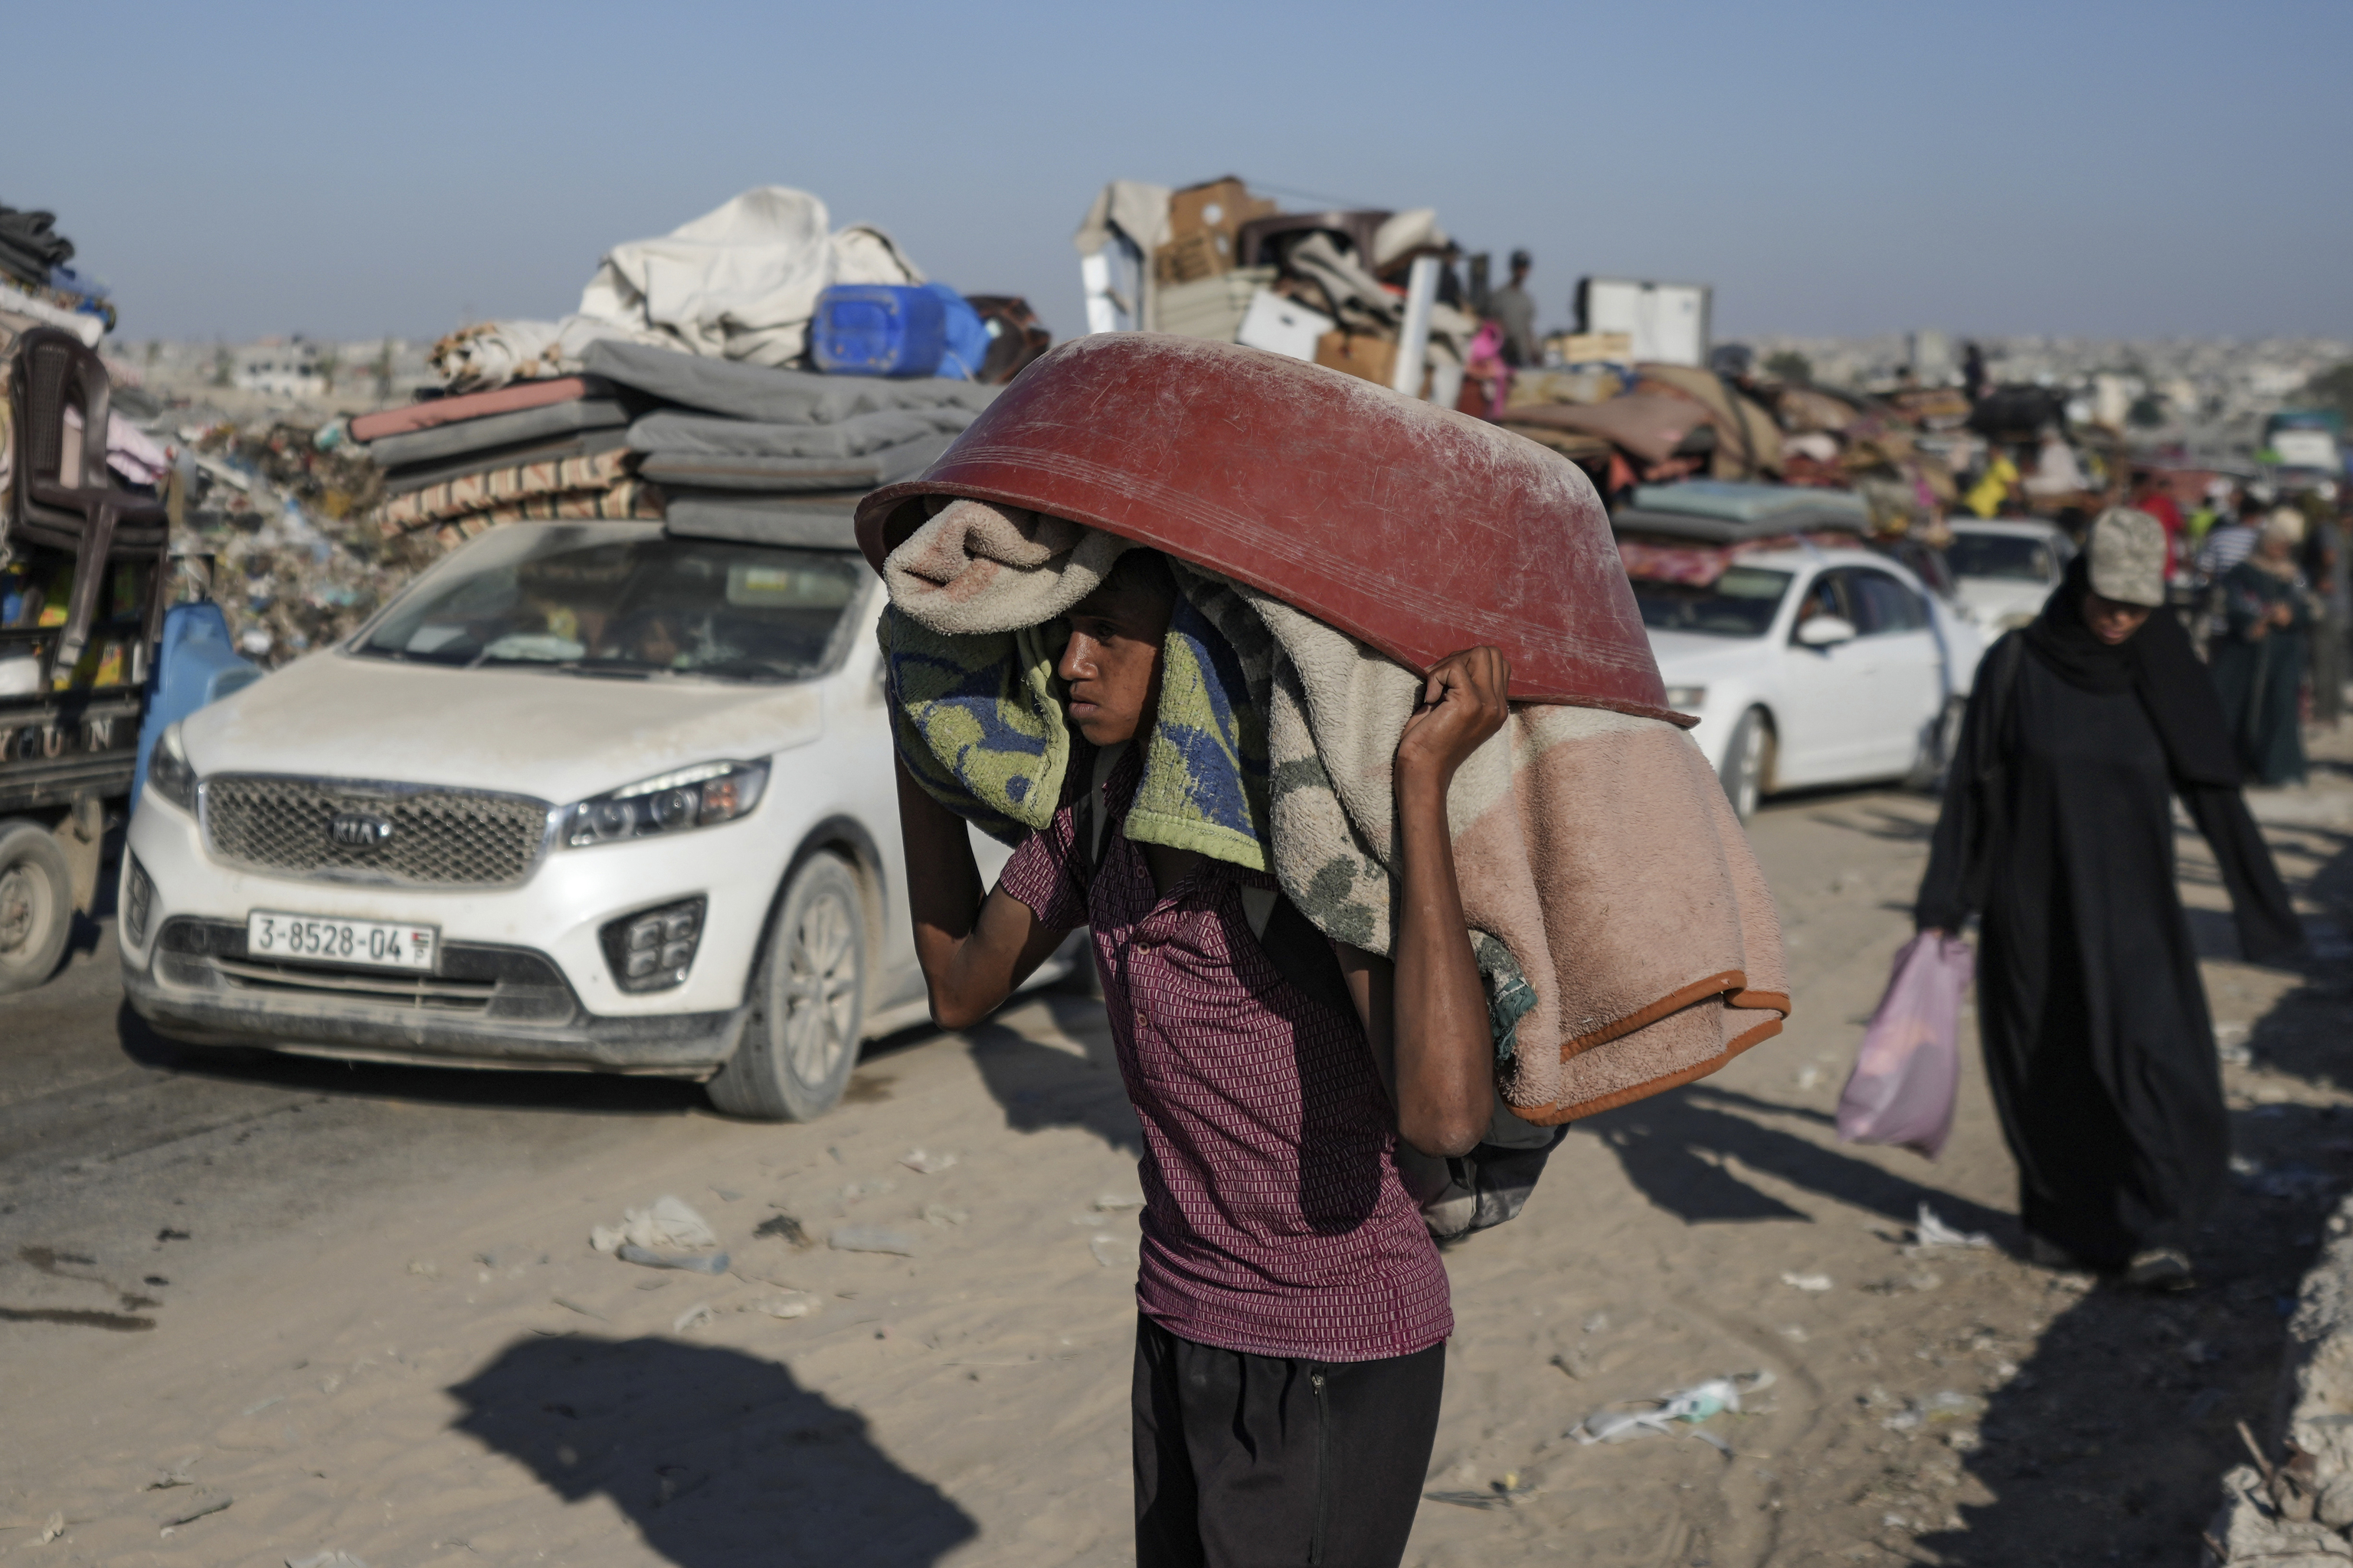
(354, 831)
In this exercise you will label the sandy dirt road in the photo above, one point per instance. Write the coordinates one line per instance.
(323, 1308)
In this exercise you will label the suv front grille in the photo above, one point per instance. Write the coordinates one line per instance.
(412, 835)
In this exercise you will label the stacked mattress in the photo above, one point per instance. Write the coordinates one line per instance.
(716, 447)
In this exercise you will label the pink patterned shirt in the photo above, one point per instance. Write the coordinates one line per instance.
(1274, 1221)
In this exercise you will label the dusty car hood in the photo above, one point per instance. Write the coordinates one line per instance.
(1691, 658)
(560, 738)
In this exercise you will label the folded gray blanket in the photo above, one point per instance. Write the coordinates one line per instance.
(813, 523)
(758, 392)
(773, 475)
(670, 430)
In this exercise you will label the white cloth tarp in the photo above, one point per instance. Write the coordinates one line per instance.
(739, 283)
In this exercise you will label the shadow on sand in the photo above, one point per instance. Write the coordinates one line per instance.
(720, 1459)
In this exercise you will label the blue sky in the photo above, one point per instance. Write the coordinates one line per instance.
(2146, 170)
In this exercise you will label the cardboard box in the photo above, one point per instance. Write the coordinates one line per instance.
(1282, 326)
(1357, 354)
(1189, 259)
(1593, 347)
(1217, 209)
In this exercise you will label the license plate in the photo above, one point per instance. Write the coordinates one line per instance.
(272, 934)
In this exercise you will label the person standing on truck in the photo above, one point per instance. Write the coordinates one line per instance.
(1514, 308)
(2057, 830)
(1293, 1312)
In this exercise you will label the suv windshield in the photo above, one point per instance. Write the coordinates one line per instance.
(1740, 603)
(2006, 556)
(625, 600)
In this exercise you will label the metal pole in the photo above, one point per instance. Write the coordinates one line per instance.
(1413, 342)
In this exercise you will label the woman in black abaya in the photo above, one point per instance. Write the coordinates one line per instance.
(2058, 831)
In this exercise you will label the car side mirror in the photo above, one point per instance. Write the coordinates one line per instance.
(1826, 632)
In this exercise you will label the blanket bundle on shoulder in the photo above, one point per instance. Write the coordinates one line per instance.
(1623, 930)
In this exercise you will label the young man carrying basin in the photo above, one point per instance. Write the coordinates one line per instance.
(1293, 1309)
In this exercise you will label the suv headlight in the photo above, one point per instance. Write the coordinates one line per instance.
(698, 797)
(1686, 699)
(169, 773)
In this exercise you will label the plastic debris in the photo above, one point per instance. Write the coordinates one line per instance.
(871, 1238)
(1949, 1405)
(702, 1263)
(695, 1317)
(1807, 1281)
(1932, 1231)
(52, 1527)
(789, 1304)
(923, 1162)
(1499, 1494)
(1694, 1404)
(784, 1227)
(671, 1224)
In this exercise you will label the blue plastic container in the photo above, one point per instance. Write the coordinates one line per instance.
(195, 664)
(879, 328)
(967, 336)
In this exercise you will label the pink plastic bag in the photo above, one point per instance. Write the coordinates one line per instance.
(1909, 1069)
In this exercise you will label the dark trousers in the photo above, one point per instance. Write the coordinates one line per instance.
(1246, 1461)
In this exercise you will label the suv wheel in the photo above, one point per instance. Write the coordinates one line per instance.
(809, 1002)
(1748, 762)
(36, 905)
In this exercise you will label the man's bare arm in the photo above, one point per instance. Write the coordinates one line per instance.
(975, 948)
(1444, 1046)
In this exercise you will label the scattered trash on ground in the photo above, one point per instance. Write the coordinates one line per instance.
(789, 1304)
(871, 1238)
(784, 1227)
(1949, 1405)
(52, 1527)
(1499, 1494)
(923, 1162)
(698, 1263)
(1694, 1404)
(1932, 1231)
(1807, 1281)
(670, 1224)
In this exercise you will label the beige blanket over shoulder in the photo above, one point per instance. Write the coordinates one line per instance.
(1595, 847)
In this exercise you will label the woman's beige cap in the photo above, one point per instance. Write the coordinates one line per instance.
(2128, 556)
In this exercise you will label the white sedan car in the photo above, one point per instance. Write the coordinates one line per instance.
(2007, 567)
(1811, 667)
(584, 796)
